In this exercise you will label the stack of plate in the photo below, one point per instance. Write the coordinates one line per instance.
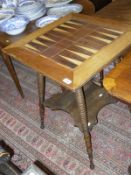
(31, 8)
(46, 20)
(14, 25)
(65, 9)
(6, 14)
(9, 3)
(62, 7)
(56, 3)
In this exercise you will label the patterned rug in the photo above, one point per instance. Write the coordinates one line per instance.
(60, 146)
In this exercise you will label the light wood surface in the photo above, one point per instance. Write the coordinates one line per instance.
(117, 10)
(72, 49)
(118, 81)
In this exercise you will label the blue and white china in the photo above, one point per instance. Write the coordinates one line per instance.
(14, 25)
(5, 14)
(56, 3)
(29, 5)
(26, 3)
(46, 20)
(66, 9)
(38, 14)
(31, 8)
(9, 3)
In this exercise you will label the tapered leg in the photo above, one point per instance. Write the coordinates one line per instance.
(101, 78)
(84, 121)
(41, 92)
(11, 69)
(63, 89)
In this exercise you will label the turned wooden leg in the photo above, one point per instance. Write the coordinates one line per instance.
(63, 89)
(101, 78)
(84, 121)
(41, 92)
(11, 69)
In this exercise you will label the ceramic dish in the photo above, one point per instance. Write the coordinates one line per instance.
(14, 25)
(32, 5)
(9, 3)
(31, 9)
(46, 20)
(37, 15)
(64, 10)
(24, 3)
(5, 14)
(56, 3)
(16, 31)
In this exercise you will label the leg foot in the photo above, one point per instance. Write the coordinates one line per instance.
(92, 166)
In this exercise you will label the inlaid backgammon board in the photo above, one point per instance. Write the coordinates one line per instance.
(72, 49)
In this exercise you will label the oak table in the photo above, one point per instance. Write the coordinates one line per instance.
(71, 51)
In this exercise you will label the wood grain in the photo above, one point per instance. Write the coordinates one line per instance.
(118, 81)
(72, 49)
(117, 10)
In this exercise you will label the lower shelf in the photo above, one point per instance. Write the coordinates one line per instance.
(96, 98)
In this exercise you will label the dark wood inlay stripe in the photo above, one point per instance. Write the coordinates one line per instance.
(109, 32)
(97, 34)
(28, 46)
(38, 46)
(46, 42)
(79, 22)
(55, 38)
(91, 44)
(94, 41)
(66, 29)
(60, 34)
(68, 26)
(78, 49)
(71, 55)
(114, 30)
(74, 25)
(64, 61)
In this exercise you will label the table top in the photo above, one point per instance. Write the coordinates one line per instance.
(72, 49)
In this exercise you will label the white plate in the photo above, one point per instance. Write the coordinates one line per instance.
(5, 14)
(26, 3)
(46, 20)
(31, 5)
(37, 15)
(64, 10)
(16, 31)
(9, 3)
(56, 3)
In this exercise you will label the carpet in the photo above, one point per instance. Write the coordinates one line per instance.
(60, 146)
